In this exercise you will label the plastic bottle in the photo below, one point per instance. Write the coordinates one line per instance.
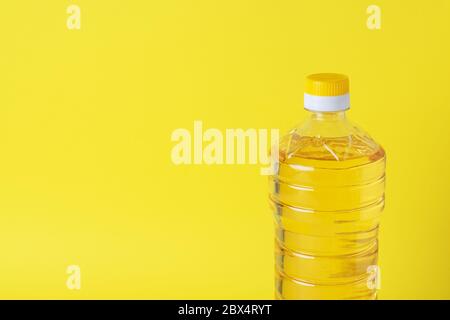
(327, 195)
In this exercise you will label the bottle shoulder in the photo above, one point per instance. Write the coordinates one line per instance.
(329, 140)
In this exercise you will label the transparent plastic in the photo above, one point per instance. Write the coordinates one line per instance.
(327, 196)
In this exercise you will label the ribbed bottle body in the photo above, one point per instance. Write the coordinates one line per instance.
(327, 196)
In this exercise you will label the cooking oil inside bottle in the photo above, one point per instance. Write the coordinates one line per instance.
(327, 196)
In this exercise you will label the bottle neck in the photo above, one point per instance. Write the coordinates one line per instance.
(328, 116)
(327, 124)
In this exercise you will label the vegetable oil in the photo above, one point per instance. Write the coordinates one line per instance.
(327, 195)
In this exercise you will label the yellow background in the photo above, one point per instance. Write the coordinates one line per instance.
(86, 116)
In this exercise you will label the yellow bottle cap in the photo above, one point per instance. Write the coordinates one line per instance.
(327, 84)
(327, 92)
